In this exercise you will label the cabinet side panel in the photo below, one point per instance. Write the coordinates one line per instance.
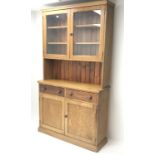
(108, 46)
(102, 112)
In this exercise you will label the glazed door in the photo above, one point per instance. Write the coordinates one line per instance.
(52, 112)
(56, 34)
(80, 120)
(87, 33)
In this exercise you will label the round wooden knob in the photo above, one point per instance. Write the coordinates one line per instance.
(66, 116)
(71, 34)
(71, 94)
(45, 88)
(90, 97)
(59, 91)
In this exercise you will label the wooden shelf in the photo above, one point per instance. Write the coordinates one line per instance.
(87, 43)
(57, 43)
(88, 25)
(72, 85)
(56, 27)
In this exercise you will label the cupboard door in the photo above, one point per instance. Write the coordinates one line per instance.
(87, 33)
(55, 34)
(80, 120)
(52, 112)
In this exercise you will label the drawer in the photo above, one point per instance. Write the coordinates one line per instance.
(82, 95)
(51, 90)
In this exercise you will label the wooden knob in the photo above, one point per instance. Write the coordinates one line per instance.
(71, 34)
(45, 88)
(71, 94)
(66, 116)
(90, 97)
(59, 91)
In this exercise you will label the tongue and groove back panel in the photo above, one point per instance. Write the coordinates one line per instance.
(86, 72)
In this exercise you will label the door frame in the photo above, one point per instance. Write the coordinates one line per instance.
(99, 56)
(83, 104)
(57, 98)
(44, 33)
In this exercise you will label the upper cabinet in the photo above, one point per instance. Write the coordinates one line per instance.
(74, 34)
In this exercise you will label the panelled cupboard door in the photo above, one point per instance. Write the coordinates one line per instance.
(87, 33)
(80, 120)
(52, 112)
(56, 34)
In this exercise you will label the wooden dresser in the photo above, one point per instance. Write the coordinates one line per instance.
(77, 51)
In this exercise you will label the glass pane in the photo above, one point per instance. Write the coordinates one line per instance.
(56, 49)
(87, 32)
(85, 49)
(57, 20)
(57, 34)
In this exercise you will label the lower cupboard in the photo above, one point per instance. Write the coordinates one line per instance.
(74, 120)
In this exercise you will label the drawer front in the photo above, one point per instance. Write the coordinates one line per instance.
(81, 95)
(51, 90)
